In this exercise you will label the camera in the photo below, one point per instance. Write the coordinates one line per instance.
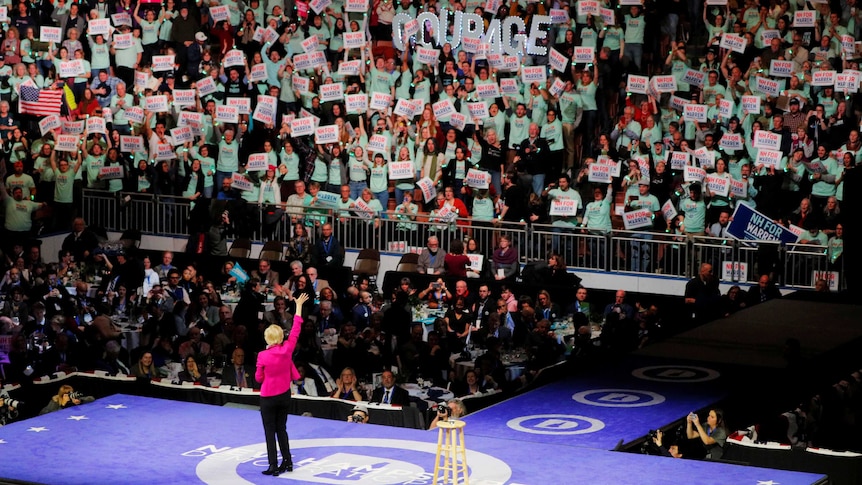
(75, 395)
(443, 412)
(436, 286)
(11, 403)
(357, 418)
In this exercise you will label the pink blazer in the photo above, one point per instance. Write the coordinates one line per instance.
(275, 368)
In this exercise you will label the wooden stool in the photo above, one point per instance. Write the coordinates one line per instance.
(450, 443)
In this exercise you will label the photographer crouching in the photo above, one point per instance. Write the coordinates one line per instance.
(451, 410)
(8, 406)
(66, 397)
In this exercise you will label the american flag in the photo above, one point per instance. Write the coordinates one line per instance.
(40, 102)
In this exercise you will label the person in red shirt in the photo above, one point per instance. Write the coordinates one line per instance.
(456, 262)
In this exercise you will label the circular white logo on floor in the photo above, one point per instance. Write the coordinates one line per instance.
(618, 398)
(346, 460)
(555, 424)
(676, 373)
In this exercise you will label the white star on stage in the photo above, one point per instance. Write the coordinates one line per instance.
(77, 418)
(767, 482)
(116, 406)
(38, 430)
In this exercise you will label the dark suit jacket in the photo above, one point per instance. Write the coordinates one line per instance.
(398, 397)
(335, 251)
(753, 297)
(272, 278)
(504, 334)
(229, 376)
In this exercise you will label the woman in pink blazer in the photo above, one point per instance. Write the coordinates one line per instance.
(275, 371)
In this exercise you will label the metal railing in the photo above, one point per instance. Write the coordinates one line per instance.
(625, 252)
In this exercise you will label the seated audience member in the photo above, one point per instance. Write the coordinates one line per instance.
(65, 397)
(279, 314)
(195, 346)
(620, 306)
(304, 386)
(493, 329)
(145, 369)
(268, 277)
(432, 259)
(190, 372)
(580, 305)
(763, 291)
(346, 387)
(543, 348)
(436, 294)
(81, 242)
(317, 284)
(111, 362)
(389, 392)
(733, 301)
(166, 265)
(237, 373)
(505, 259)
(472, 385)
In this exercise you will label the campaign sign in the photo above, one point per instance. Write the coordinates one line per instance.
(510, 63)
(725, 108)
(96, 124)
(717, 185)
(111, 173)
(131, 144)
(767, 35)
(767, 139)
(804, 18)
(533, 74)
(470, 44)
(637, 219)
(206, 86)
(327, 199)
(234, 57)
(67, 143)
(72, 127)
(165, 151)
(259, 34)
(71, 68)
(157, 104)
(476, 262)
(665, 84)
(751, 104)
(734, 271)
(331, 92)
(478, 110)
(608, 16)
(243, 105)
(668, 210)
(270, 35)
(768, 158)
(458, 121)
(350, 68)
(219, 13)
(848, 44)
(767, 86)
(265, 109)
(326, 134)
(310, 44)
(354, 40)
(694, 112)
(122, 18)
(509, 86)
(300, 83)
(738, 188)
(600, 173)
(257, 161)
(564, 207)
(780, 68)
(695, 78)
(356, 6)
(163, 63)
(302, 126)
(557, 87)
(637, 84)
(693, 174)
(356, 103)
(135, 114)
(380, 101)
(588, 7)
(584, 55)
(429, 192)
(747, 223)
(121, 41)
(258, 73)
(403, 108)
(846, 82)
(679, 160)
(731, 141)
(443, 108)
(239, 182)
(227, 114)
(182, 134)
(558, 61)
(142, 79)
(400, 170)
(184, 97)
(99, 26)
(704, 158)
(831, 278)
(678, 103)
(378, 143)
(427, 56)
(411, 28)
(823, 78)
(478, 179)
(733, 42)
(488, 90)
(319, 5)
(49, 123)
(50, 34)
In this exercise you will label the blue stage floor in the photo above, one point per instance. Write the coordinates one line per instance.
(134, 440)
(599, 410)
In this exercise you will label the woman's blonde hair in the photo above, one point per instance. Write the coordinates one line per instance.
(273, 335)
(64, 390)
